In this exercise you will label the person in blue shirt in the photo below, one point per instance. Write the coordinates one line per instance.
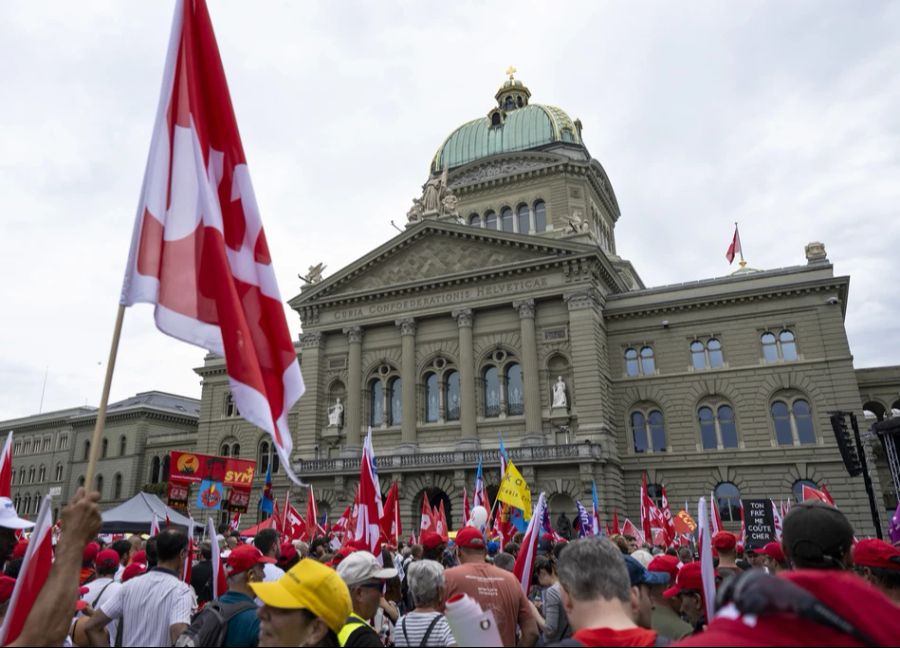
(244, 565)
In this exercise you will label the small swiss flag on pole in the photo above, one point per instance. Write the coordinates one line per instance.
(735, 247)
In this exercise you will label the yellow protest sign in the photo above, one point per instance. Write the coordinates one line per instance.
(514, 491)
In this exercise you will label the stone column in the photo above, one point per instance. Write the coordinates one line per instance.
(407, 328)
(530, 381)
(463, 317)
(590, 366)
(352, 418)
(308, 409)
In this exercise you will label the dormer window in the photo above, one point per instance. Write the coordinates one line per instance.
(496, 118)
(509, 104)
(519, 101)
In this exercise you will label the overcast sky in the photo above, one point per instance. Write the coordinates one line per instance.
(783, 116)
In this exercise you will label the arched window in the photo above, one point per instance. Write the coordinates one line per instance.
(523, 219)
(42, 474)
(35, 504)
(22, 475)
(797, 488)
(262, 457)
(87, 450)
(496, 119)
(783, 347)
(717, 427)
(432, 398)
(769, 347)
(154, 470)
(632, 366)
(451, 395)
(123, 445)
(235, 449)
(376, 402)
(26, 504)
(490, 220)
(506, 219)
(59, 472)
(117, 486)
(31, 475)
(475, 219)
(714, 347)
(728, 498)
(792, 419)
(98, 481)
(396, 392)
(230, 406)
(104, 448)
(17, 500)
(648, 365)
(874, 410)
(515, 402)
(707, 355)
(491, 377)
(648, 430)
(276, 461)
(165, 468)
(226, 449)
(540, 216)
(698, 354)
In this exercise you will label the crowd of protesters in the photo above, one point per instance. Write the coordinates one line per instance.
(818, 586)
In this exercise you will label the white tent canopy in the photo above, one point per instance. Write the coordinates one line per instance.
(136, 515)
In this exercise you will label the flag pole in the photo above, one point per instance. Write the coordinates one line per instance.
(104, 399)
(742, 263)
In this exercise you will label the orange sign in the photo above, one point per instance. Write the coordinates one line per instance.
(684, 523)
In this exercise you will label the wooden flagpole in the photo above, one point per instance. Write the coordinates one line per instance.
(104, 399)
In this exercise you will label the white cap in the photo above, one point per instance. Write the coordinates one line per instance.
(361, 566)
(8, 517)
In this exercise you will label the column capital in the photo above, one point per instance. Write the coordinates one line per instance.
(354, 334)
(582, 299)
(311, 340)
(525, 308)
(463, 316)
(407, 326)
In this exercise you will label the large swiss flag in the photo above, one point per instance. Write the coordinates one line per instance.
(199, 252)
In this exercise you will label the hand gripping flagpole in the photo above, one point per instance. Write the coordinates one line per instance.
(104, 399)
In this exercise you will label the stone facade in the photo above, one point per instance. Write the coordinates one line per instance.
(139, 434)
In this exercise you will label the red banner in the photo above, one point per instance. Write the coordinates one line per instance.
(195, 467)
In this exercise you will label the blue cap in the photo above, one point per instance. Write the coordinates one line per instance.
(638, 574)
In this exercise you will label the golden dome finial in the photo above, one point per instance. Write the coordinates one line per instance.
(511, 71)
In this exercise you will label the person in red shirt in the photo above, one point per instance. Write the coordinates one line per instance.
(597, 595)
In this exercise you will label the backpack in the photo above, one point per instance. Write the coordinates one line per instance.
(210, 626)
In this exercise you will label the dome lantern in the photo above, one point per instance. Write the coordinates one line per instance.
(513, 93)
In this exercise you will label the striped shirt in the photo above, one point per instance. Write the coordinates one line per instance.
(148, 606)
(411, 629)
(99, 592)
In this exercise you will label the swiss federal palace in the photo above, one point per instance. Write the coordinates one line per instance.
(504, 310)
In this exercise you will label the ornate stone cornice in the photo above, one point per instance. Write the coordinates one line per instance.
(407, 326)
(311, 340)
(354, 334)
(582, 299)
(463, 317)
(525, 308)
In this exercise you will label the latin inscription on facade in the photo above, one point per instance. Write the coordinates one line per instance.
(452, 297)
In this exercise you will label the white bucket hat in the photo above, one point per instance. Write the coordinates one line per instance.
(9, 519)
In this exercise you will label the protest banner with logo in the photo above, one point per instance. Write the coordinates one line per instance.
(225, 482)
(759, 521)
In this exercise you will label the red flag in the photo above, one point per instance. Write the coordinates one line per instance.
(615, 523)
(295, 527)
(428, 521)
(735, 247)
(466, 508)
(199, 252)
(368, 513)
(277, 516)
(629, 529)
(236, 522)
(312, 515)
(219, 583)
(189, 561)
(646, 506)
(809, 493)
(441, 525)
(6, 467)
(341, 524)
(668, 522)
(154, 526)
(524, 567)
(503, 525)
(390, 521)
(32, 576)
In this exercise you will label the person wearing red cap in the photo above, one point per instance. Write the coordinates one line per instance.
(666, 618)
(87, 563)
(774, 558)
(689, 588)
(104, 586)
(879, 563)
(433, 546)
(134, 569)
(492, 588)
(725, 544)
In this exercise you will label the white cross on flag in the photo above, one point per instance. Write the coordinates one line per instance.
(199, 252)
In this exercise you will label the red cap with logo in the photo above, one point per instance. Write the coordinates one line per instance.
(774, 551)
(431, 540)
(724, 541)
(243, 557)
(689, 578)
(666, 565)
(107, 559)
(134, 569)
(876, 553)
(470, 538)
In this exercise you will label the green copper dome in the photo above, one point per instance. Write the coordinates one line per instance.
(515, 125)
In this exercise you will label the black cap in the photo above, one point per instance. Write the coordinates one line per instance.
(816, 535)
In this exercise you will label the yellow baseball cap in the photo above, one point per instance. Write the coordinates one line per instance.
(309, 585)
